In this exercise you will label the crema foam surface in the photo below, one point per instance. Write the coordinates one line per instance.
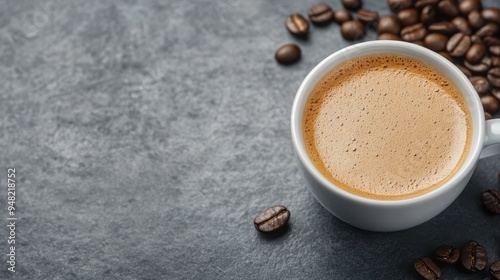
(386, 127)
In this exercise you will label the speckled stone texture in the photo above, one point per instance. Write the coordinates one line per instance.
(146, 136)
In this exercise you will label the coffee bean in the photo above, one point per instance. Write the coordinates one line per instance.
(447, 254)
(297, 24)
(496, 92)
(494, 50)
(407, 17)
(436, 42)
(495, 61)
(464, 70)
(476, 20)
(398, 5)
(413, 32)
(446, 28)
(480, 84)
(487, 116)
(420, 4)
(448, 8)
(458, 44)
(341, 16)
(490, 104)
(272, 219)
(352, 4)
(352, 30)
(474, 257)
(428, 15)
(467, 6)
(495, 270)
(475, 53)
(494, 76)
(476, 40)
(462, 25)
(479, 68)
(491, 201)
(489, 29)
(446, 55)
(367, 16)
(320, 14)
(288, 54)
(388, 24)
(388, 36)
(427, 268)
(491, 14)
(420, 43)
(491, 41)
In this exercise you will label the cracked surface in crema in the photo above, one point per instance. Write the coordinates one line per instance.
(386, 127)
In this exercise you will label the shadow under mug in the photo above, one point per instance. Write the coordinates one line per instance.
(393, 215)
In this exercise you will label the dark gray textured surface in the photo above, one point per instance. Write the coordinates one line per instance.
(146, 136)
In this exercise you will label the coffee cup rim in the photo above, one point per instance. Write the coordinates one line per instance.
(400, 48)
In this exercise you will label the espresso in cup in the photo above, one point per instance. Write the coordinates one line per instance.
(386, 127)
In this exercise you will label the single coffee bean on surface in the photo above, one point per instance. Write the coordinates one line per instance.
(428, 15)
(448, 8)
(388, 36)
(414, 32)
(408, 17)
(320, 14)
(427, 268)
(352, 4)
(436, 42)
(352, 30)
(495, 270)
(462, 25)
(388, 24)
(491, 14)
(494, 50)
(490, 104)
(475, 53)
(491, 201)
(341, 16)
(479, 68)
(398, 5)
(487, 116)
(464, 70)
(297, 24)
(473, 257)
(272, 219)
(288, 54)
(420, 4)
(467, 6)
(494, 77)
(367, 16)
(480, 84)
(476, 20)
(447, 254)
(458, 44)
(446, 28)
(490, 29)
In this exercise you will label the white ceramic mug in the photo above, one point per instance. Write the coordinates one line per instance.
(393, 215)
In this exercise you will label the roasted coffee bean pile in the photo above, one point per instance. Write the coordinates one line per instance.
(464, 32)
(472, 257)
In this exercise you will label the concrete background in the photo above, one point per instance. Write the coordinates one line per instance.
(147, 135)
